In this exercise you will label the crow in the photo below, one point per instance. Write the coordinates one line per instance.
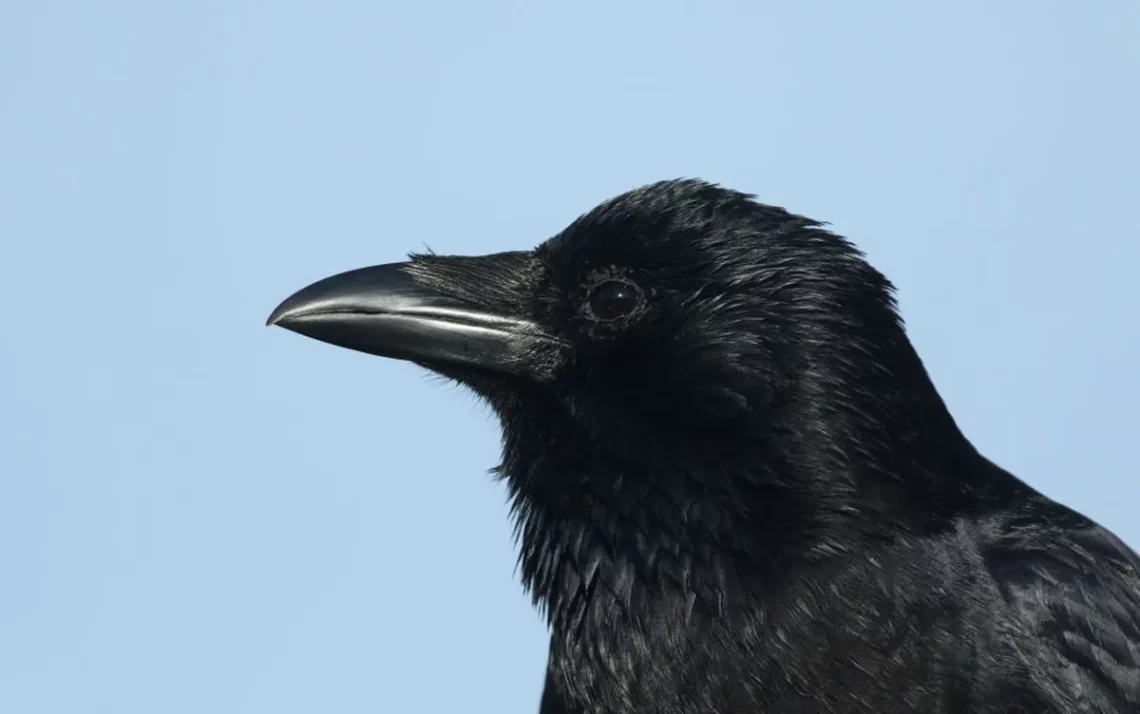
(735, 487)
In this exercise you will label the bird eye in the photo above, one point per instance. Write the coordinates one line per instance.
(613, 299)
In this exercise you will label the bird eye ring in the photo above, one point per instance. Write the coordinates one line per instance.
(614, 299)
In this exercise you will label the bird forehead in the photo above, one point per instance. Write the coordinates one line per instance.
(584, 251)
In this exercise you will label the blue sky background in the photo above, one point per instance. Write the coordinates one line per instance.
(199, 514)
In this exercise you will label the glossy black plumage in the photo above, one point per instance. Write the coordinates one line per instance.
(736, 489)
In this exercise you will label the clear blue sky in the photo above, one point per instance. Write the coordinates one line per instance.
(199, 514)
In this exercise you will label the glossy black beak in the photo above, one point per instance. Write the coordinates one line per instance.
(383, 311)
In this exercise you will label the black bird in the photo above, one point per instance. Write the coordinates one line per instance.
(736, 488)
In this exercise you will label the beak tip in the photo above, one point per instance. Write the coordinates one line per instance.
(274, 317)
(281, 314)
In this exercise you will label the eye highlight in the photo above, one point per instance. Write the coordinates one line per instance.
(614, 299)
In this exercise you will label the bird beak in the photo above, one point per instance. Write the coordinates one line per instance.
(383, 311)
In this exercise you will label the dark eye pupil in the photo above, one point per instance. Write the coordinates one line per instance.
(613, 299)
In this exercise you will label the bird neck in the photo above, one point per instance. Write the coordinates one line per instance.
(701, 527)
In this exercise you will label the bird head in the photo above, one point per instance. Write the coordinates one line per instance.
(683, 375)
